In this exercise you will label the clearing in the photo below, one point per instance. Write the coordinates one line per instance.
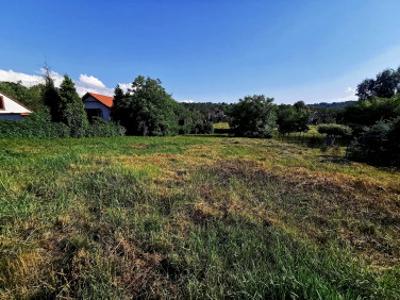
(194, 217)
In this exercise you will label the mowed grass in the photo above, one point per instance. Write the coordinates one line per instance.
(194, 217)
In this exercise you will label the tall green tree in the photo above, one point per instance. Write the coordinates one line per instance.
(148, 109)
(253, 116)
(385, 85)
(119, 109)
(73, 113)
(51, 98)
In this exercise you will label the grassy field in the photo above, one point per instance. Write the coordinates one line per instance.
(221, 125)
(194, 217)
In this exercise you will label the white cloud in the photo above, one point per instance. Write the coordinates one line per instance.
(57, 77)
(91, 81)
(125, 86)
(85, 83)
(25, 79)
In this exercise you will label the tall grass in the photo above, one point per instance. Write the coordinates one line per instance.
(220, 218)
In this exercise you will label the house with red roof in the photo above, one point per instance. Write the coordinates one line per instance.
(97, 105)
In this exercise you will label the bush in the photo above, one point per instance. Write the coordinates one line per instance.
(36, 125)
(39, 125)
(333, 131)
(378, 144)
(101, 128)
(293, 118)
(368, 112)
(253, 116)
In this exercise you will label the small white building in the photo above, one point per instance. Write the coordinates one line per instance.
(11, 109)
(97, 105)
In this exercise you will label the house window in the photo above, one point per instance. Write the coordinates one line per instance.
(1, 103)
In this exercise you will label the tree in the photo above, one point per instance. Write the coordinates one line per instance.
(118, 110)
(253, 116)
(286, 119)
(51, 98)
(385, 85)
(368, 112)
(365, 90)
(72, 109)
(147, 110)
(378, 144)
(293, 118)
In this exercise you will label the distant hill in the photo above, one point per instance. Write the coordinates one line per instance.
(333, 105)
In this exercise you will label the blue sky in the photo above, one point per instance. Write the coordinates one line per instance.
(205, 50)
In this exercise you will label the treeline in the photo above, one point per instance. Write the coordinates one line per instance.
(145, 109)
(375, 120)
(371, 124)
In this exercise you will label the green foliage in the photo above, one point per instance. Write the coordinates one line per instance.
(334, 129)
(119, 110)
(293, 118)
(99, 127)
(39, 125)
(36, 125)
(384, 86)
(253, 116)
(192, 121)
(72, 111)
(214, 112)
(149, 109)
(378, 144)
(30, 97)
(368, 112)
(52, 99)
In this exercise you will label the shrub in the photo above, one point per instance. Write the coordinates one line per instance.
(101, 128)
(378, 144)
(333, 131)
(36, 125)
(39, 125)
(253, 116)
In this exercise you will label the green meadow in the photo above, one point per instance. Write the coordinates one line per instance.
(198, 217)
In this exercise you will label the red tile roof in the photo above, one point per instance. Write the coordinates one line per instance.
(106, 100)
